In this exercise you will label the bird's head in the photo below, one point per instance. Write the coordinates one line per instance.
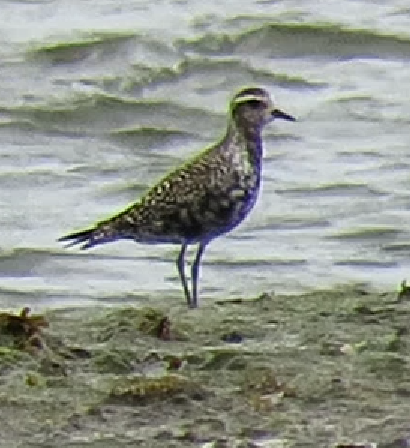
(253, 107)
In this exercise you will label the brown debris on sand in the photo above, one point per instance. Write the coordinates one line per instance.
(24, 330)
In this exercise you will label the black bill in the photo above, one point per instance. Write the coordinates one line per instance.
(277, 113)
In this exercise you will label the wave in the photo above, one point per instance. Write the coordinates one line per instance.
(278, 223)
(363, 263)
(248, 263)
(367, 233)
(36, 256)
(82, 47)
(403, 247)
(151, 137)
(301, 40)
(336, 189)
(206, 66)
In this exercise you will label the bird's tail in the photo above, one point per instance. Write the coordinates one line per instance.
(103, 232)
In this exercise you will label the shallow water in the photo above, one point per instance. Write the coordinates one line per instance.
(99, 99)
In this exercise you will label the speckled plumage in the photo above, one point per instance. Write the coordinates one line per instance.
(206, 197)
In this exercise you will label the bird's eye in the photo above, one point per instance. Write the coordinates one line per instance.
(255, 104)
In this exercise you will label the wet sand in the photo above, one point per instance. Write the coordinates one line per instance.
(322, 369)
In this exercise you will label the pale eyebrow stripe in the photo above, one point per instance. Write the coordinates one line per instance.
(245, 98)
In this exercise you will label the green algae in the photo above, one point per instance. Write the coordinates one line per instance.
(115, 361)
(11, 358)
(404, 291)
(220, 358)
(143, 390)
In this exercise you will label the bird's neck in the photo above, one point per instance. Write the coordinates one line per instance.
(248, 139)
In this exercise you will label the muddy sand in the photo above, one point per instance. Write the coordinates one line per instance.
(322, 369)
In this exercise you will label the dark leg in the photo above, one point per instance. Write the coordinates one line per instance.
(195, 273)
(181, 272)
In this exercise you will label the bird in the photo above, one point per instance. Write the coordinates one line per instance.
(204, 198)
